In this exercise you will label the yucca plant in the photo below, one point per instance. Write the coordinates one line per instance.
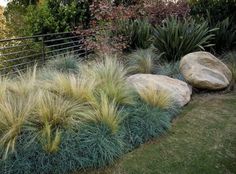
(155, 98)
(143, 61)
(176, 38)
(111, 77)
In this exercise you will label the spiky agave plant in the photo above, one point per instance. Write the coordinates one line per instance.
(155, 98)
(142, 61)
(111, 77)
(15, 110)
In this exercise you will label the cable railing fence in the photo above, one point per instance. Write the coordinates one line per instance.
(17, 54)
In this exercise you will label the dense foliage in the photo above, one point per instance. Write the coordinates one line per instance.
(176, 38)
(219, 14)
(64, 122)
(218, 9)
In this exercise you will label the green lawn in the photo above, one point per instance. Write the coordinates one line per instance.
(202, 140)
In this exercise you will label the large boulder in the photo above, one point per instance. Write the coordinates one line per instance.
(179, 91)
(203, 70)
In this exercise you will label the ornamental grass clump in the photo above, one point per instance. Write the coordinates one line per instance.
(155, 98)
(15, 110)
(25, 83)
(144, 122)
(61, 123)
(77, 87)
(66, 63)
(142, 61)
(111, 77)
(52, 114)
(170, 69)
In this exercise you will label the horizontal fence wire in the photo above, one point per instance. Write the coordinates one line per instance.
(18, 54)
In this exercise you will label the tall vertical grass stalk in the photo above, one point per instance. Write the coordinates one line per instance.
(155, 98)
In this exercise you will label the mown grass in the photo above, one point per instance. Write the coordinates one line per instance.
(202, 140)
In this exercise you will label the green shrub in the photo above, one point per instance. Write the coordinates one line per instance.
(225, 34)
(142, 61)
(138, 33)
(176, 38)
(56, 16)
(218, 9)
(67, 63)
(144, 122)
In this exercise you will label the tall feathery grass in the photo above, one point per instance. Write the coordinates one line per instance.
(15, 110)
(72, 86)
(142, 61)
(52, 114)
(155, 98)
(24, 83)
(107, 112)
(111, 77)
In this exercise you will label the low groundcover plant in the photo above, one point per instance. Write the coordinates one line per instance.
(74, 121)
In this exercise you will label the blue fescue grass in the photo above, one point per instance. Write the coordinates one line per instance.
(144, 122)
(91, 146)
